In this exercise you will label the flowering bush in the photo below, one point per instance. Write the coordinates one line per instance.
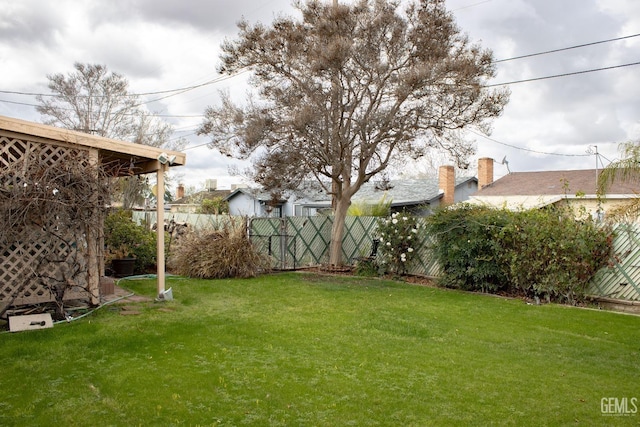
(398, 241)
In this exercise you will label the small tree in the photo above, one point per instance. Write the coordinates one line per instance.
(349, 89)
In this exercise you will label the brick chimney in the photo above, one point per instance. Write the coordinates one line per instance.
(180, 191)
(447, 183)
(485, 172)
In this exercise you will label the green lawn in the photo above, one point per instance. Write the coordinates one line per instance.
(305, 350)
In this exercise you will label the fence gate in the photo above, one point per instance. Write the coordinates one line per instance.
(295, 242)
(271, 238)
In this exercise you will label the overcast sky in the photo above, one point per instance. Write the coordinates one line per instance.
(549, 124)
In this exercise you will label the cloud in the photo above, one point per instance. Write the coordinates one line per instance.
(23, 23)
(160, 45)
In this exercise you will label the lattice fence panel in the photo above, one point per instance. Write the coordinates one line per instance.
(359, 232)
(622, 279)
(312, 237)
(26, 264)
(425, 263)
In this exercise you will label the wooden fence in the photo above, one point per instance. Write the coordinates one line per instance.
(296, 242)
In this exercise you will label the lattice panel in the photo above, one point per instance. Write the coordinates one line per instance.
(12, 150)
(30, 265)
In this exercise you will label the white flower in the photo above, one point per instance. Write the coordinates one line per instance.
(413, 230)
(404, 218)
(410, 250)
(381, 239)
(395, 221)
(388, 243)
(395, 214)
(408, 237)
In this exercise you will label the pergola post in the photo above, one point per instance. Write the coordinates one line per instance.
(160, 229)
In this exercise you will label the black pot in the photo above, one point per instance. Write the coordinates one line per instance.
(123, 267)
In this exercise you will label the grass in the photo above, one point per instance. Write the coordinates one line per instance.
(305, 350)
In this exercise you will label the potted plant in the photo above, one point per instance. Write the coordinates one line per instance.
(122, 261)
(124, 239)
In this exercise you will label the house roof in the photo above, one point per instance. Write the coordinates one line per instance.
(257, 194)
(553, 183)
(401, 192)
(125, 157)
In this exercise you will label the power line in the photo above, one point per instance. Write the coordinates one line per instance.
(222, 78)
(159, 92)
(528, 149)
(470, 5)
(593, 70)
(566, 48)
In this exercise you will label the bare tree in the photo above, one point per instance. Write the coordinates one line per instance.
(93, 100)
(349, 88)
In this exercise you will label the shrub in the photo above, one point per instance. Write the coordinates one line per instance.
(214, 206)
(361, 208)
(399, 239)
(121, 234)
(552, 255)
(217, 254)
(545, 253)
(468, 248)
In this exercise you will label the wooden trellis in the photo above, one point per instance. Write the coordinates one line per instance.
(22, 280)
(27, 263)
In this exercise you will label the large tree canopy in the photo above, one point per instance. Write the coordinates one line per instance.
(348, 89)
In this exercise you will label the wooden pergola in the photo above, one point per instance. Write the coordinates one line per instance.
(19, 138)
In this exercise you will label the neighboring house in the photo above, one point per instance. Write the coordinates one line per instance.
(419, 196)
(191, 203)
(256, 203)
(575, 188)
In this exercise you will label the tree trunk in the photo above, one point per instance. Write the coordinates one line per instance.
(337, 230)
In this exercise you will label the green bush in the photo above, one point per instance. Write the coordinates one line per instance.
(123, 237)
(545, 253)
(399, 240)
(468, 248)
(214, 206)
(551, 254)
(361, 208)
